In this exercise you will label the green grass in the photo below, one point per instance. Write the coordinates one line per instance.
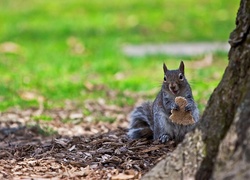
(63, 45)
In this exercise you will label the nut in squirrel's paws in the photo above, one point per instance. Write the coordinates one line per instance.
(181, 116)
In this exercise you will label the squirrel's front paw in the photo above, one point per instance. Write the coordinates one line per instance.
(188, 107)
(164, 138)
(175, 106)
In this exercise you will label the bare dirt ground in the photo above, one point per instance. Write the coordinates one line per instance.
(80, 149)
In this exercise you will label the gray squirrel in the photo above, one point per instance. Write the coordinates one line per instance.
(151, 119)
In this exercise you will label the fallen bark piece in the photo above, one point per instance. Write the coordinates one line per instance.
(128, 174)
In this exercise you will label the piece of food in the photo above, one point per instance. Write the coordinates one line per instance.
(181, 116)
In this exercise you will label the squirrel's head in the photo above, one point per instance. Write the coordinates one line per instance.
(174, 80)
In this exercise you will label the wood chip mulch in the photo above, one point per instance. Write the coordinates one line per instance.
(24, 154)
(84, 150)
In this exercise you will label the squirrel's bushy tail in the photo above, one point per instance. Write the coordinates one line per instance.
(140, 121)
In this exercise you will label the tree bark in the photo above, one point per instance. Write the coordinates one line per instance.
(219, 148)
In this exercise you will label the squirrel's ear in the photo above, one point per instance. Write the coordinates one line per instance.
(165, 69)
(181, 68)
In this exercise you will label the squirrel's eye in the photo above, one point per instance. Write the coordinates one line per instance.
(181, 77)
(165, 78)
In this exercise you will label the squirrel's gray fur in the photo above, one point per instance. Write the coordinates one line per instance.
(151, 119)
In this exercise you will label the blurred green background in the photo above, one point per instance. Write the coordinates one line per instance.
(54, 51)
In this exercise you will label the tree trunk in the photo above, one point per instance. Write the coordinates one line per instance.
(219, 148)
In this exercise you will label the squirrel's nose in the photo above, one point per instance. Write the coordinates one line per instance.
(172, 86)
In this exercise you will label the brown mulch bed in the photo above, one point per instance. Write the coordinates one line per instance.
(79, 150)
